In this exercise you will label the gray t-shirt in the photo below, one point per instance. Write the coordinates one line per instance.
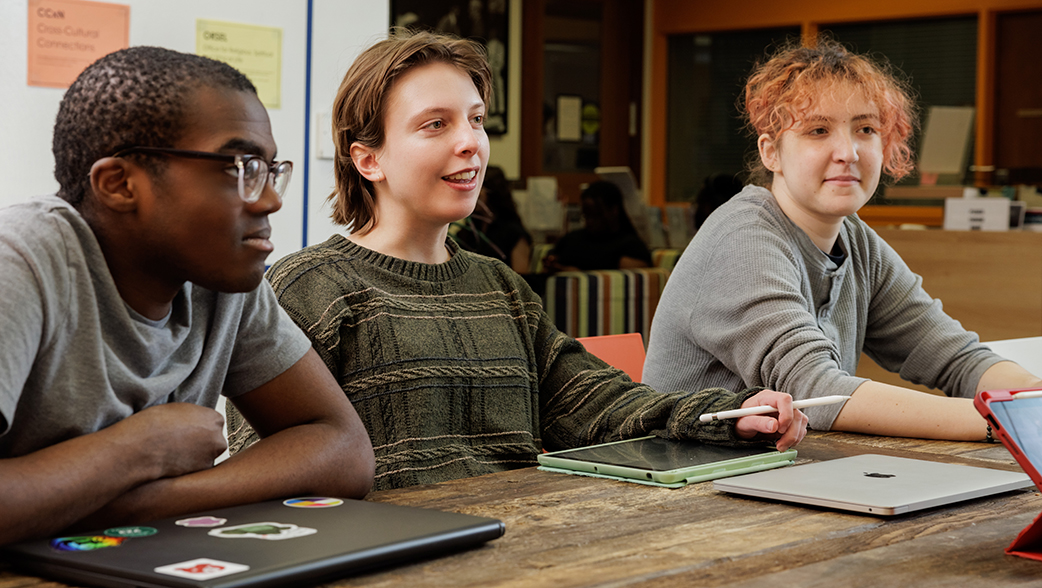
(753, 302)
(74, 358)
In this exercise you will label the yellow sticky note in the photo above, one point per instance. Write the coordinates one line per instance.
(254, 50)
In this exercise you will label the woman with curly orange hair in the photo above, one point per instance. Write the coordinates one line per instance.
(784, 286)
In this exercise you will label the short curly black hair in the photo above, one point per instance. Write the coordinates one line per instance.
(132, 97)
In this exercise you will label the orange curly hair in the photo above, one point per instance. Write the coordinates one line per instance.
(782, 89)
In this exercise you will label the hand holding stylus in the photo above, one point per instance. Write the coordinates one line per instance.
(742, 412)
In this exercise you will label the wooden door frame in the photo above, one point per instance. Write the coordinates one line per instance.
(621, 84)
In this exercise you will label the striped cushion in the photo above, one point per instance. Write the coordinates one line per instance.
(605, 302)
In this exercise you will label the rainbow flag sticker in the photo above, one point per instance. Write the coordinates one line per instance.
(85, 543)
(313, 502)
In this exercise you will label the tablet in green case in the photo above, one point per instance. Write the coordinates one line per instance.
(663, 462)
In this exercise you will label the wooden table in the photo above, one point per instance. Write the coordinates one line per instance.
(574, 531)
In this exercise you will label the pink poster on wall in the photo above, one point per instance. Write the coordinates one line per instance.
(65, 36)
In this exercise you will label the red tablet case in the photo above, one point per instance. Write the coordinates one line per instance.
(1029, 542)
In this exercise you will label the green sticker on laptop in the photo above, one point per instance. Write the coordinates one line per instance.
(131, 532)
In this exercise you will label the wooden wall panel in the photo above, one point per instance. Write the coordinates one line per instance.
(1018, 91)
(990, 282)
(685, 16)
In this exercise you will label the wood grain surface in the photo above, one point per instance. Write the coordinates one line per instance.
(575, 531)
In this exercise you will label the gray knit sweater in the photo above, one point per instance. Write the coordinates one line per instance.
(753, 302)
(456, 371)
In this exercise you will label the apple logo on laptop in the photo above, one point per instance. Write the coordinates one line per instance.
(878, 475)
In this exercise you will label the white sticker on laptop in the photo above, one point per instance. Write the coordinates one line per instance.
(202, 569)
(267, 531)
(206, 521)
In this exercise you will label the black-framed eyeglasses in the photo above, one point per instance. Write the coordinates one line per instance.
(252, 171)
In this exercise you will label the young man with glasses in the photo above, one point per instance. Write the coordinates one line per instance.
(134, 297)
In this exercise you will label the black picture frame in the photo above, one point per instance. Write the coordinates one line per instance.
(484, 21)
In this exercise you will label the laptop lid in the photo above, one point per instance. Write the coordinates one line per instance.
(276, 543)
(876, 484)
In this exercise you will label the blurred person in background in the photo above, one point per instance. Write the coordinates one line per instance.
(608, 240)
(495, 229)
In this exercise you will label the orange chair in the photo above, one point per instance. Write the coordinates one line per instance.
(625, 352)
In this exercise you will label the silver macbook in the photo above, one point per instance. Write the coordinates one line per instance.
(876, 484)
(293, 542)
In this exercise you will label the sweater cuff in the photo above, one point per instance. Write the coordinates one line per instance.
(685, 424)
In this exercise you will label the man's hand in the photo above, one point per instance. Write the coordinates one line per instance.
(159, 462)
(50, 489)
(312, 444)
(788, 426)
(183, 438)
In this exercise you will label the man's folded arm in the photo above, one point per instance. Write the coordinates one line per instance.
(52, 488)
(312, 443)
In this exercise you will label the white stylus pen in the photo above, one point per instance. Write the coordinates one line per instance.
(1028, 394)
(743, 412)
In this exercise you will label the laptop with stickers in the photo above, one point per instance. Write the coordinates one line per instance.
(276, 543)
(875, 484)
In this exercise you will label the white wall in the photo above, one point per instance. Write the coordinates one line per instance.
(340, 31)
(341, 28)
(26, 114)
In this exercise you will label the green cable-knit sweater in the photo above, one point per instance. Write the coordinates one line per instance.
(456, 371)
